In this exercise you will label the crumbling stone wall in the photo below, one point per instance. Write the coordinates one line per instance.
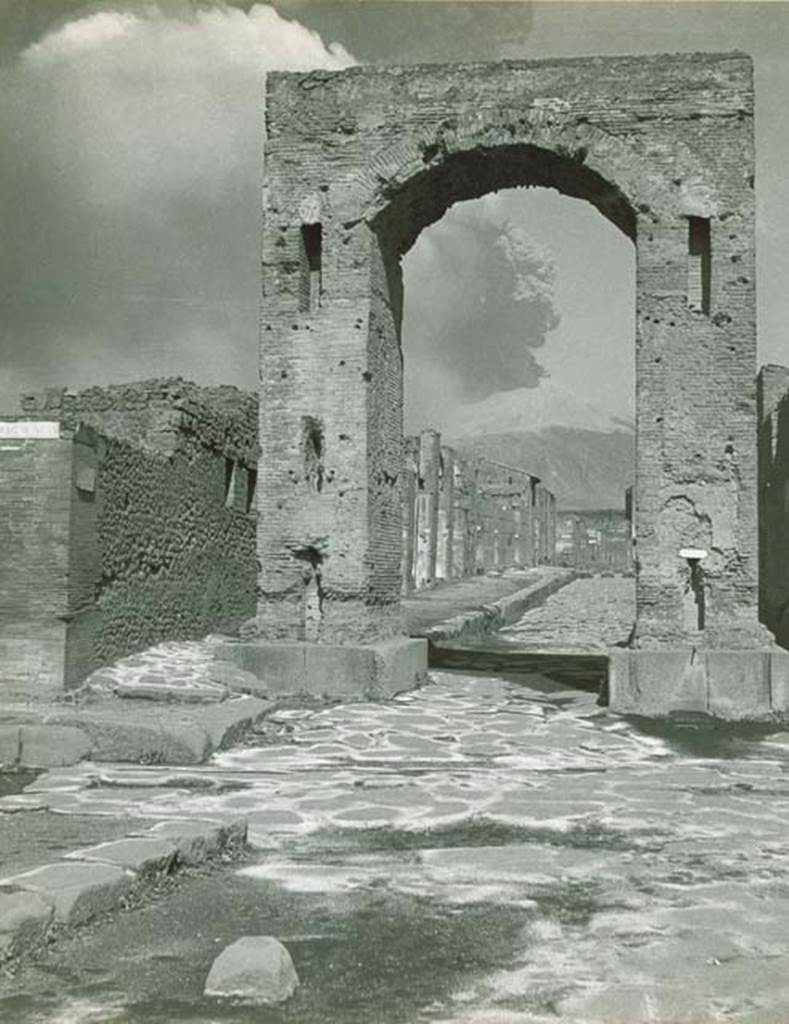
(154, 542)
(463, 515)
(358, 162)
(773, 403)
(155, 415)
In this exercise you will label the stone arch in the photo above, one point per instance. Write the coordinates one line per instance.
(472, 156)
(373, 155)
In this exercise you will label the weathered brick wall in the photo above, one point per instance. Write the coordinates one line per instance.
(155, 542)
(463, 516)
(663, 147)
(773, 403)
(35, 484)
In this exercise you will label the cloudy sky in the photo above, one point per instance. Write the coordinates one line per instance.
(130, 150)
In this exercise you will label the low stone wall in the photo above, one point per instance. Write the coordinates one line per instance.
(463, 516)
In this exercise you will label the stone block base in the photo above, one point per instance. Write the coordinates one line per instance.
(743, 685)
(371, 672)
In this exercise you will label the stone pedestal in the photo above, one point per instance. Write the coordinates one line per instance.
(741, 685)
(370, 672)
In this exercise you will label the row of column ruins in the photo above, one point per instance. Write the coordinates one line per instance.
(465, 515)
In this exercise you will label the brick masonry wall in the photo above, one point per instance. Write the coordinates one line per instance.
(35, 481)
(773, 404)
(374, 155)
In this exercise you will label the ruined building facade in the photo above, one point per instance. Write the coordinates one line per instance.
(128, 517)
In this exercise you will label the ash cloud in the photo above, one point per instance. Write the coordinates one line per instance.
(479, 304)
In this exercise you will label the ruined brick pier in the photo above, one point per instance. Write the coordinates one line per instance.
(358, 162)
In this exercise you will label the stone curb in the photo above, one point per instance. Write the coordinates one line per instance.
(56, 736)
(35, 905)
(505, 611)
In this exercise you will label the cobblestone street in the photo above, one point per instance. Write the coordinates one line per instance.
(486, 849)
(587, 615)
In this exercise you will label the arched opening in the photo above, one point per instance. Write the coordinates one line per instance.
(366, 160)
(492, 533)
(518, 342)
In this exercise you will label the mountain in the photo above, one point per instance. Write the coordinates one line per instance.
(585, 469)
(537, 408)
(580, 451)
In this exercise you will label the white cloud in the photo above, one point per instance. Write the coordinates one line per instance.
(144, 106)
(130, 194)
(216, 36)
(76, 37)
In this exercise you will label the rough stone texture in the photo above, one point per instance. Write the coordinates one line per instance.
(156, 688)
(122, 538)
(144, 856)
(196, 841)
(737, 685)
(236, 679)
(24, 919)
(77, 891)
(153, 414)
(134, 731)
(371, 671)
(49, 746)
(254, 969)
(9, 745)
(773, 406)
(375, 155)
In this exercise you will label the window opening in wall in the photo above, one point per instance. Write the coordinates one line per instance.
(312, 436)
(252, 483)
(699, 264)
(230, 483)
(311, 270)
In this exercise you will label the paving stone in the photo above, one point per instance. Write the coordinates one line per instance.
(158, 687)
(24, 920)
(10, 743)
(143, 856)
(197, 841)
(78, 891)
(49, 746)
(236, 679)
